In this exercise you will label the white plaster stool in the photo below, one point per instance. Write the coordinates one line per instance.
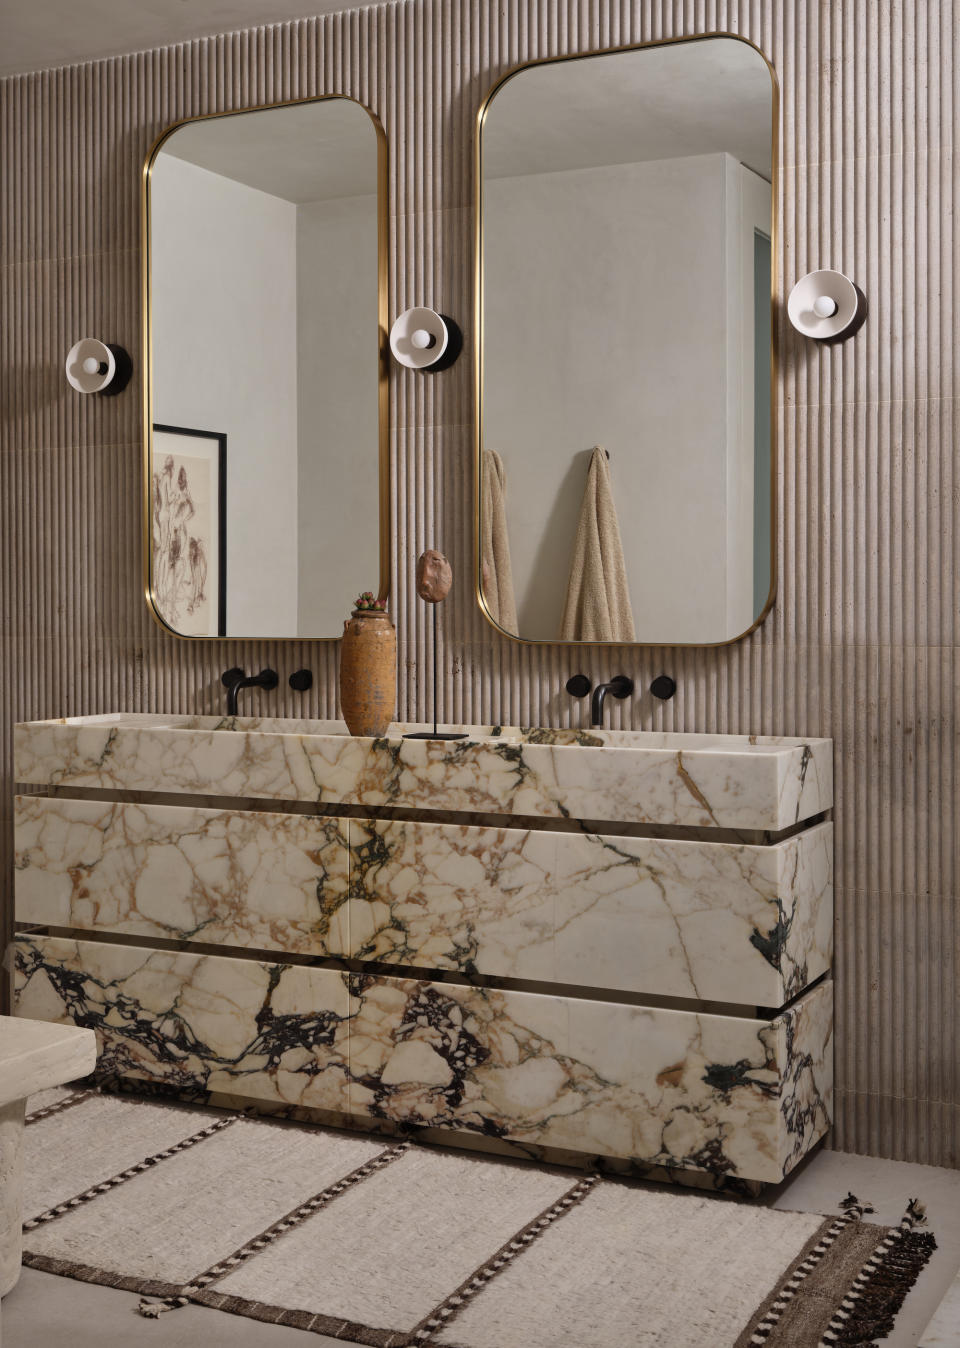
(33, 1057)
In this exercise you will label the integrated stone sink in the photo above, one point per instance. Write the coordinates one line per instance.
(702, 781)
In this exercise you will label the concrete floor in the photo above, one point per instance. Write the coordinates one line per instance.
(44, 1311)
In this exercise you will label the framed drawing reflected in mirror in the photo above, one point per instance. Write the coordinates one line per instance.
(189, 529)
(265, 267)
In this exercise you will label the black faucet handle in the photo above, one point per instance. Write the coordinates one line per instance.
(231, 677)
(663, 687)
(300, 680)
(578, 685)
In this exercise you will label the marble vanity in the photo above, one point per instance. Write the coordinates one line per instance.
(613, 944)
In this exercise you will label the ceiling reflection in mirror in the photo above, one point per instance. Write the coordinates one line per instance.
(625, 459)
(265, 486)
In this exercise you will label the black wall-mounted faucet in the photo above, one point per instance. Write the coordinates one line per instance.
(235, 679)
(620, 686)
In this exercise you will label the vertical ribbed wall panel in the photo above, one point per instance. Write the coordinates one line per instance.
(862, 644)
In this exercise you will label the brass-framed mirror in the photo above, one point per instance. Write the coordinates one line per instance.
(625, 252)
(266, 451)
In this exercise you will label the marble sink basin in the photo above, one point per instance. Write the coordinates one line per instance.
(700, 781)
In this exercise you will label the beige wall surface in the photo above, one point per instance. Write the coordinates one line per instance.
(615, 329)
(338, 535)
(862, 644)
(224, 288)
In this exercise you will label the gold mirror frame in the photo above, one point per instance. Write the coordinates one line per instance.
(478, 331)
(383, 390)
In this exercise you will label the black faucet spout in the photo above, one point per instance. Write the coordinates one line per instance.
(235, 679)
(620, 686)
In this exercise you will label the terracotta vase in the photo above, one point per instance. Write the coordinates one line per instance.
(368, 672)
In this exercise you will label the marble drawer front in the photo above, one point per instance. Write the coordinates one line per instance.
(711, 921)
(731, 1096)
(197, 1023)
(234, 877)
(670, 1088)
(703, 781)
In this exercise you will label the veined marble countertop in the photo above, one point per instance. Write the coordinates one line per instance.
(703, 781)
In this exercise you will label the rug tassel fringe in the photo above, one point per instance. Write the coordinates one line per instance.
(853, 1207)
(153, 1309)
(873, 1302)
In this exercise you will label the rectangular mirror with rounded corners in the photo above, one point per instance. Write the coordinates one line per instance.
(266, 483)
(625, 248)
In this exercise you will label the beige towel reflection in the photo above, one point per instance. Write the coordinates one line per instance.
(597, 606)
(495, 543)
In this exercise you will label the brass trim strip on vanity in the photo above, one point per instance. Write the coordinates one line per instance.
(383, 354)
(478, 331)
(438, 818)
(419, 973)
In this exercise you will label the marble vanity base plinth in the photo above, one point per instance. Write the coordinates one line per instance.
(733, 1096)
(11, 1193)
(442, 1137)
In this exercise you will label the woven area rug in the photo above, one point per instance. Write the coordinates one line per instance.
(393, 1244)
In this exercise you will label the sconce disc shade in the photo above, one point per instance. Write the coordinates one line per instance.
(408, 344)
(86, 350)
(823, 290)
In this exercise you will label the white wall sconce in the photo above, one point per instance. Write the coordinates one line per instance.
(827, 306)
(98, 367)
(422, 339)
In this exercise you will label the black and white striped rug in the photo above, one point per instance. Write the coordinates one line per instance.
(388, 1243)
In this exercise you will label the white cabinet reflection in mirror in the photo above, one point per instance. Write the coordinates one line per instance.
(267, 307)
(432, 933)
(625, 252)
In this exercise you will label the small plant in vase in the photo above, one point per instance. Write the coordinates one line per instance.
(368, 604)
(368, 668)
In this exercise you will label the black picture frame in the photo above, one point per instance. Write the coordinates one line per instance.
(209, 447)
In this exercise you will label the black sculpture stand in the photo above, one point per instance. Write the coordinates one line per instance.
(435, 734)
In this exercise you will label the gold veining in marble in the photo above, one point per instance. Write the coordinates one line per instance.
(242, 878)
(712, 921)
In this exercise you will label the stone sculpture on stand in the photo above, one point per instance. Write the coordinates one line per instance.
(434, 579)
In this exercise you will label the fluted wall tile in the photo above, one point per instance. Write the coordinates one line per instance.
(49, 305)
(863, 641)
(883, 1125)
(874, 492)
(885, 221)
